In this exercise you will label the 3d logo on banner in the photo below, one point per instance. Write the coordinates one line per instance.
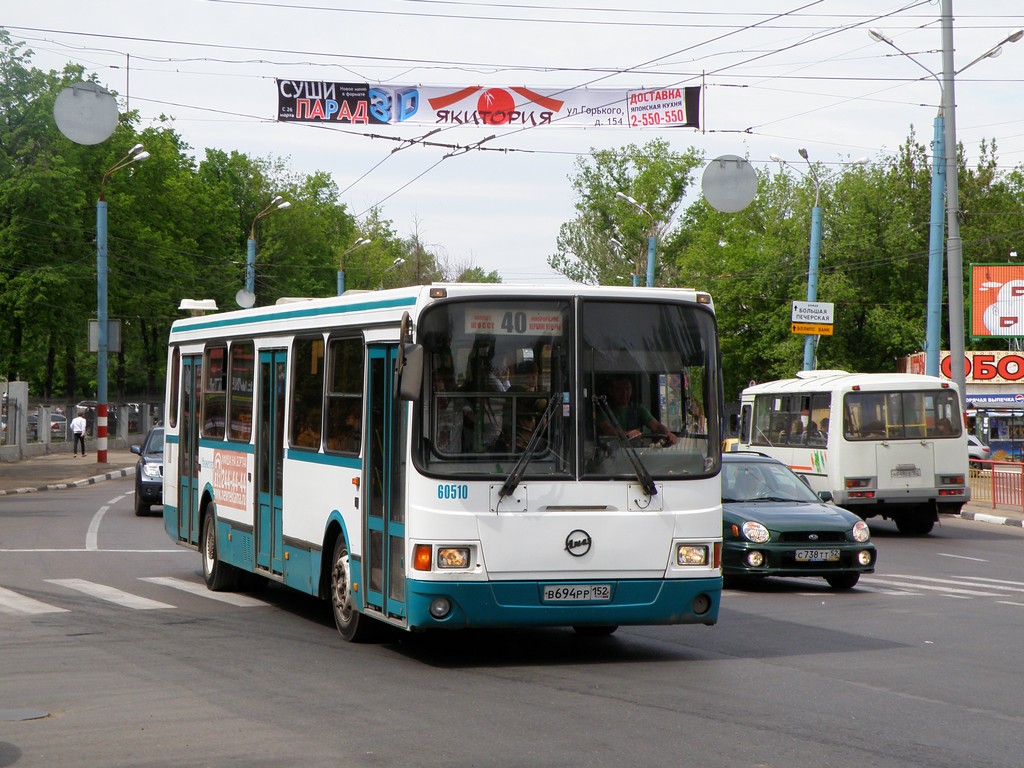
(316, 101)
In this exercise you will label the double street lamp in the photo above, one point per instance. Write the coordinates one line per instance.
(135, 155)
(651, 240)
(341, 268)
(944, 177)
(277, 204)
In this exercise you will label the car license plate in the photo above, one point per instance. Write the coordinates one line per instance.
(816, 555)
(565, 593)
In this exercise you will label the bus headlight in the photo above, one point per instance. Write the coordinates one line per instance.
(692, 554)
(755, 532)
(861, 532)
(453, 557)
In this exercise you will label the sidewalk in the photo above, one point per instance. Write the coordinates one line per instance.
(58, 470)
(61, 469)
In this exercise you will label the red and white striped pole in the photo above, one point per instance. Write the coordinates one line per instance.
(101, 433)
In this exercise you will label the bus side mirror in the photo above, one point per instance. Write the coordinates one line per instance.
(410, 377)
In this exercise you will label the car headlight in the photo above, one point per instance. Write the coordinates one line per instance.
(755, 532)
(152, 471)
(861, 532)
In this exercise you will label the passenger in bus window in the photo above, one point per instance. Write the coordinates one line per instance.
(813, 436)
(944, 428)
(447, 416)
(528, 409)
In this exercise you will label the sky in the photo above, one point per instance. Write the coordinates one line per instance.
(777, 76)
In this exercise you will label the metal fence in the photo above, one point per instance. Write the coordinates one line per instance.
(998, 483)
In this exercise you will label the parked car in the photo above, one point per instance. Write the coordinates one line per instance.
(149, 471)
(58, 427)
(773, 524)
(977, 451)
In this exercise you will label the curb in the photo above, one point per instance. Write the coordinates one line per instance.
(71, 483)
(984, 517)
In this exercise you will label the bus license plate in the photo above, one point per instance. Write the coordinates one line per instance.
(906, 472)
(816, 555)
(564, 593)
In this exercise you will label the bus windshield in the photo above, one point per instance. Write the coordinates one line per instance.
(506, 377)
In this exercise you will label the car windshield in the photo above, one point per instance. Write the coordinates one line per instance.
(155, 443)
(763, 481)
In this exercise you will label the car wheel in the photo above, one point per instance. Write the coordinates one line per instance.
(219, 576)
(843, 580)
(141, 508)
(352, 625)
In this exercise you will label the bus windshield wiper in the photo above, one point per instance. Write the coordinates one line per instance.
(516, 475)
(646, 481)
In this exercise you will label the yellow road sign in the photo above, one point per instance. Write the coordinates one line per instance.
(814, 329)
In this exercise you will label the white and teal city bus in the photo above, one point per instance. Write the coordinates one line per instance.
(445, 456)
(891, 445)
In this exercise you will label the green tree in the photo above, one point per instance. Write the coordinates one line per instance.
(653, 175)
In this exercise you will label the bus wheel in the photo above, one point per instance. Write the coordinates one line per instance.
(595, 631)
(843, 580)
(914, 525)
(352, 626)
(219, 576)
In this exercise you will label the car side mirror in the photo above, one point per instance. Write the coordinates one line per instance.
(137, 449)
(825, 495)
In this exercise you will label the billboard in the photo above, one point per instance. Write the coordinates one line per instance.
(365, 104)
(997, 300)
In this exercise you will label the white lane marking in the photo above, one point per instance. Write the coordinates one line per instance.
(110, 594)
(951, 590)
(12, 602)
(242, 601)
(990, 583)
(963, 557)
(994, 582)
(116, 551)
(93, 533)
(1010, 602)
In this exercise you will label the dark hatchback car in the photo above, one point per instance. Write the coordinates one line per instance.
(773, 524)
(149, 471)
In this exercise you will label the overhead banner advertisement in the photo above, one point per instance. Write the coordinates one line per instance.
(316, 101)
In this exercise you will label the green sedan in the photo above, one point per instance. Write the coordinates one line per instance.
(773, 524)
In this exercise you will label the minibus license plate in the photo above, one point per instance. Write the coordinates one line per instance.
(906, 472)
(816, 555)
(563, 593)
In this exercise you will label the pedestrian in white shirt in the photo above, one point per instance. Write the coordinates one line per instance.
(78, 433)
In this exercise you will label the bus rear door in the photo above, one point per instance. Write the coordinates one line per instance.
(270, 438)
(384, 563)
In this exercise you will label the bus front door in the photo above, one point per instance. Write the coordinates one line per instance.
(188, 449)
(384, 561)
(270, 460)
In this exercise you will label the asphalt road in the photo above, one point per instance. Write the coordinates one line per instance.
(916, 667)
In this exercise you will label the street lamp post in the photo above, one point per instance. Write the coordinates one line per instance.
(277, 204)
(341, 270)
(651, 240)
(135, 155)
(810, 343)
(944, 177)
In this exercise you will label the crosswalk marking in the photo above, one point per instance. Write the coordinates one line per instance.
(242, 601)
(110, 594)
(12, 602)
(931, 587)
